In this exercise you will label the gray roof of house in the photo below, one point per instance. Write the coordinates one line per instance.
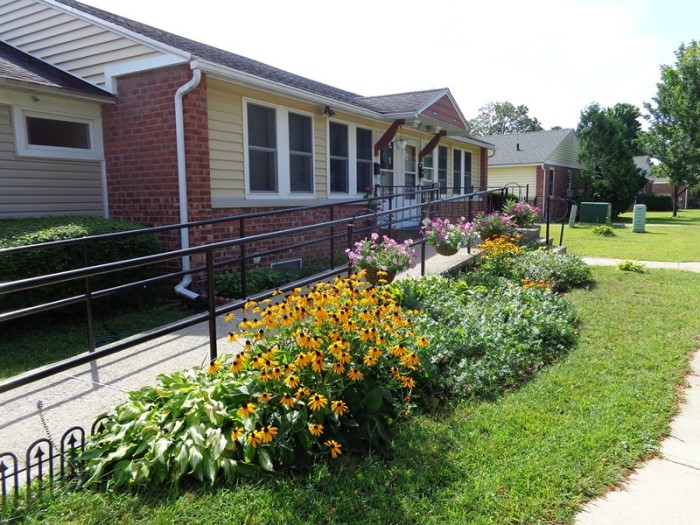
(387, 104)
(533, 147)
(17, 66)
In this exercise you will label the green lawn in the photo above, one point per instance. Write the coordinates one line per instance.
(666, 238)
(533, 456)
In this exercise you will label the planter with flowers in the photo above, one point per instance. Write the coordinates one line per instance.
(524, 216)
(381, 257)
(492, 225)
(448, 237)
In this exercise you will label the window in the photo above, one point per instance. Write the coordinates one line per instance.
(57, 133)
(428, 166)
(442, 168)
(457, 171)
(300, 153)
(279, 151)
(338, 139)
(262, 148)
(43, 134)
(409, 171)
(364, 160)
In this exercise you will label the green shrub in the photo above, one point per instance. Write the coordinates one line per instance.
(24, 232)
(604, 230)
(318, 375)
(631, 266)
(484, 338)
(260, 279)
(562, 270)
(655, 201)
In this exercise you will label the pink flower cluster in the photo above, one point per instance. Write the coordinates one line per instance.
(382, 253)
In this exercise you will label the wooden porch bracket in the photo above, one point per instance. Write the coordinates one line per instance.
(389, 134)
(430, 146)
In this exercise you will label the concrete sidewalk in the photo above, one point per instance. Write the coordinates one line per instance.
(687, 266)
(665, 490)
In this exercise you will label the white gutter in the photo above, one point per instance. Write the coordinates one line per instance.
(181, 289)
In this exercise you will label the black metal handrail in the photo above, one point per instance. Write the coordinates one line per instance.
(422, 204)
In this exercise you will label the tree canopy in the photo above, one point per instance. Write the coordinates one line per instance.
(608, 172)
(503, 118)
(674, 133)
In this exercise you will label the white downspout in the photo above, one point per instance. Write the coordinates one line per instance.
(181, 288)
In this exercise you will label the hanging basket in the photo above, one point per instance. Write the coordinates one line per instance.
(372, 277)
(446, 250)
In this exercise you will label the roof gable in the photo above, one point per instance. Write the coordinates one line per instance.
(535, 147)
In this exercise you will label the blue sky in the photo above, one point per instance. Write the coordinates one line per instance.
(554, 56)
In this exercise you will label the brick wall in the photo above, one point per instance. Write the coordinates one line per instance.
(484, 169)
(141, 151)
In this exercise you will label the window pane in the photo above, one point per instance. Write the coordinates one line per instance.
(300, 173)
(468, 186)
(456, 171)
(263, 170)
(57, 133)
(339, 175)
(299, 133)
(442, 167)
(261, 126)
(338, 139)
(364, 144)
(364, 177)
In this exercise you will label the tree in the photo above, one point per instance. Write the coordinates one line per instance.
(674, 133)
(503, 118)
(629, 115)
(608, 172)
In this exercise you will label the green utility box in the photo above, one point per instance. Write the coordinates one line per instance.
(595, 212)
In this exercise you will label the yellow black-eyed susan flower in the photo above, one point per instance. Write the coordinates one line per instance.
(247, 409)
(339, 407)
(334, 448)
(287, 400)
(214, 367)
(354, 374)
(267, 433)
(292, 381)
(317, 402)
(316, 429)
(237, 433)
(265, 397)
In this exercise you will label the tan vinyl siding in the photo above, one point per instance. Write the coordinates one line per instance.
(566, 154)
(35, 187)
(226, 155)
(225, 140)
(523, 175)
(66, 41)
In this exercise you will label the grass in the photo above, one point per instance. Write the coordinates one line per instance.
(534, 456)
(666, 238)
(27, 344)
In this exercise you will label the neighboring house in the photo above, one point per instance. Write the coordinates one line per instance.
(51, 159)
(539, 162)
(192, 132)
(660, 186)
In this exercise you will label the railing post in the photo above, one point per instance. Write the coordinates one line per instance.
(88, 303)
(351, 227)
(546, 239)
(331, 215)
(241, 234)
(211, 290)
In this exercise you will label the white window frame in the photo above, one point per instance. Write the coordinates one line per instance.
(283, 169)
(24, 149)
(352, 159)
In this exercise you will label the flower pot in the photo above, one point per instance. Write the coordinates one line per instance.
(446, 250)
(372, 277)
(528, 234)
